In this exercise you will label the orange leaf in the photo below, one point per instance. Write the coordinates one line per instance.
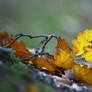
(19, 48)
(63, 56)
(4, 37)
(62, 59)
(62, 44)
(46, 63)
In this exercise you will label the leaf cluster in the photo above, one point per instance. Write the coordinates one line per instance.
(63, 59)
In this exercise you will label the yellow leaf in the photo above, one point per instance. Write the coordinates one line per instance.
(61, 59)
(45, 63)
(83, 74)
(88, 54)
(64, 60)
(63, 56)
(83, 40)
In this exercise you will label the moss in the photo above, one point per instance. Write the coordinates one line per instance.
(6, 87)
(17, 77)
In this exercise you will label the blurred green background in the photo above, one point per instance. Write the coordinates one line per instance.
(63, 18)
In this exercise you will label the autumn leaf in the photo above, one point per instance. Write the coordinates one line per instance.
(61, 59)
(83, 40)
(4, 37)
(19, 48)
(83, 74)
(21, 51)
(45, 63)
(88, 54)
(64, 60)
(63, 56)
(62, 44)
(83, 45)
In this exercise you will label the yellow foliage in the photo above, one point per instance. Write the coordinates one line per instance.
(61, 59)
(64, 59)
(83, 74)
(88, 54)
(45, 63)
(83, 45)
(63, 56)
(83, 40)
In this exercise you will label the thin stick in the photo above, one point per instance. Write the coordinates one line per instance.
(42, 42)
(27, 35)
(50, 37)
(33, 56)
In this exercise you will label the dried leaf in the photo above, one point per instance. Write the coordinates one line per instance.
(62, 44)
(62, 59)
(45, 63)
(83, 74)
(4, 37)
(63, 56)
(19, 48)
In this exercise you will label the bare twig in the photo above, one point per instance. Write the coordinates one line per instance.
(49, 38)
(33, 56)
(43, 42)
(11, 41)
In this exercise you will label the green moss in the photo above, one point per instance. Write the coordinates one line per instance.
(6, 87)
(17, 77)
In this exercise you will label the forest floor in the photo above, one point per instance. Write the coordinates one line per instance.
(21, 77)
